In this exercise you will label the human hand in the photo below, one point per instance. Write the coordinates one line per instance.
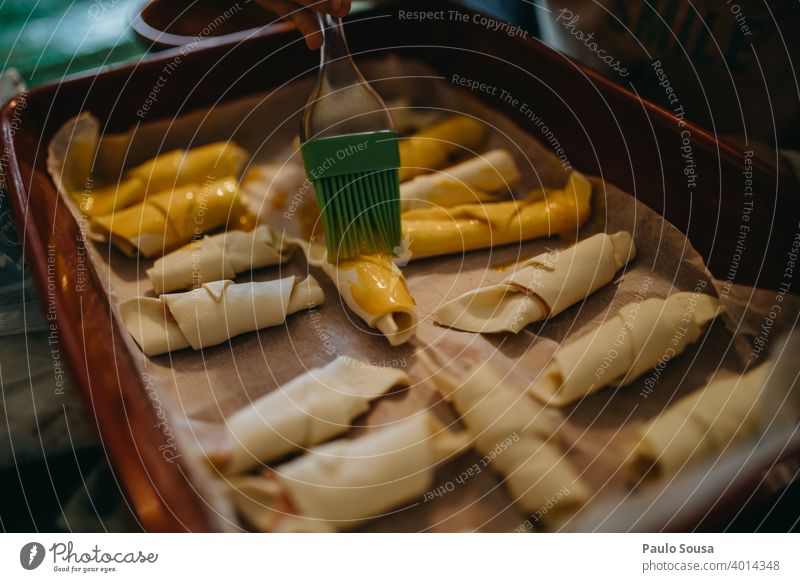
(301, 14)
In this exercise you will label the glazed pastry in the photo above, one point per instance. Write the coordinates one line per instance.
(168, 171)
(628, 344)
(170, 219)
(432, 148)
(196, 166)
(485, 178)
(215, 312)
(217, 257)
(309, 410)
(727, 410)
(340, 484)
(440, 231)
(374, 288)
(540, 287)
(510, 429)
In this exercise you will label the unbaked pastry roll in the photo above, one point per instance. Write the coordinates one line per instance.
(540, 287)
(511, 429)
(345, 482)
(628, 344)
(727, 410)
(267, 188)
(217, 257)
(215, 312)
(196, 166)
(439, 231)
(374, 288)
(431, 148)
(164, 172)
(170, 219)
(483, 178)
(309, 410)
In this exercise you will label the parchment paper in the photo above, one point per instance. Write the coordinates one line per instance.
(199, 388)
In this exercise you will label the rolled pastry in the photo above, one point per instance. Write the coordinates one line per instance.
(510, 429)
(431, 148)
(215, 312)
(440, 231)
(172, 218)
(195, 166)
(407, 117)
(268, 187)
(541, 287)
(628, 344)
(217, 257)
(345, 482)
(484, 178)
(374, 288)
(310, 409)
(164, 172)
(727, 410)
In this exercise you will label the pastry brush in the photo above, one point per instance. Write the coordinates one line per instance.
(351, 155)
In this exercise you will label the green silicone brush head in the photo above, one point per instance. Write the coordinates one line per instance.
(351, 154)
(358, 191)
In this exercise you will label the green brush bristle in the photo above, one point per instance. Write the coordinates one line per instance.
(358, 191)
(360, 213)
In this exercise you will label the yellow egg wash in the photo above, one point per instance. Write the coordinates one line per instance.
(380, 287)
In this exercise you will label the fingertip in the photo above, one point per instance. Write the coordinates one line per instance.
(340, 8)
(313, 39)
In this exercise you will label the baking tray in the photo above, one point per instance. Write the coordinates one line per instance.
(606, 130)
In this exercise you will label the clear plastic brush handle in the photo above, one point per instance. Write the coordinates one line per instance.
(342, 102)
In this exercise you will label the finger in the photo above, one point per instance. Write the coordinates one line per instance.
(338, 8)
(303, 19)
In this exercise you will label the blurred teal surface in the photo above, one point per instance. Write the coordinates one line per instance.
(47, 39)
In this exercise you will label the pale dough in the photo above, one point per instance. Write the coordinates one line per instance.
(540, 287)
(215, 312)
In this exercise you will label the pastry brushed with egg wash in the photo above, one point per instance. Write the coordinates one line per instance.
(170, 219)
(431, 148)
(431, 232)
(164, 172)
(374, 288)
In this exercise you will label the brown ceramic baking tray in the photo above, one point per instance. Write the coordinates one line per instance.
(166, 23)
(606, 129)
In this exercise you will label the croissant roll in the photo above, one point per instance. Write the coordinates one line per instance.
(705, 422)
(374, 288)
(440, 231)
(540, 287)
(215, 312)
(484, 178)
(631, 342)
(170, 219)
(312, 408)
(217, 257)
(164, 172)
(510, 429)
(432, 147)
(339, 485)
